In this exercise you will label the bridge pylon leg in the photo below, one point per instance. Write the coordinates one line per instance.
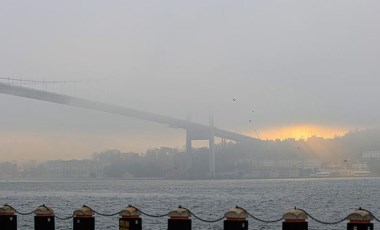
(189, 147)
(212, 156)
(212, 145)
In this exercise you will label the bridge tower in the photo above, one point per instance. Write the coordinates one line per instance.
(203, 134)
(189, 147)
(211, 144)
(189, 150)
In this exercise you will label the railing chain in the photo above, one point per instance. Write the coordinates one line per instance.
(205, 220)
(24, 213)
(150, 215)
(324, 222)
(64, 218)
(103, 214)
(261, 220)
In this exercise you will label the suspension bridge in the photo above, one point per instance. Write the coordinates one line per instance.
(194, 131)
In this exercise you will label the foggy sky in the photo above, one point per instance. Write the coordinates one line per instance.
(292, 62)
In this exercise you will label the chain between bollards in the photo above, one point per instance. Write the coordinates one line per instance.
(107, 215)
(323, 222)
(149, 215)
(24, 213)
(191, 213)
(205, 220)
(64, 218)
(21, 213)
(261, 220)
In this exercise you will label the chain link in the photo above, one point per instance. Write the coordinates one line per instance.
(64, 218)
(24, 213)
(261, 220)
(150, 215)
(324, 222)
(204, 220)
(108, 215)
(265, 221)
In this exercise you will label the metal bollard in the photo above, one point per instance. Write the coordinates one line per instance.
(44, 218)
(179, 219)
(236, 219)
(295, 219)
(84, 219)
(360, 220)
(8, 218)
(130, 219)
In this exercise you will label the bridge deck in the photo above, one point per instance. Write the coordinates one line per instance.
(196, 129)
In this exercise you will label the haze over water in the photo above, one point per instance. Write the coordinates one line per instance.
(310, 64)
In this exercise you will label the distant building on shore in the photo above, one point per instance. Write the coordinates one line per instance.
(74, 169)
(284, 168)
(372, 158)
(8, 170)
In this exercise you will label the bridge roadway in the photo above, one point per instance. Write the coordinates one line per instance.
(197, 130)
(194, 131)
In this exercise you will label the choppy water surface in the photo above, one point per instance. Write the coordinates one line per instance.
(326, 199)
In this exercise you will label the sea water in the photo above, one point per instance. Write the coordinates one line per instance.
(326, 199)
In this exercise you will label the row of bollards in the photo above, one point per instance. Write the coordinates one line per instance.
(179, 219)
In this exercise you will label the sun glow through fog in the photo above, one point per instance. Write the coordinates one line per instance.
(303, 131)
